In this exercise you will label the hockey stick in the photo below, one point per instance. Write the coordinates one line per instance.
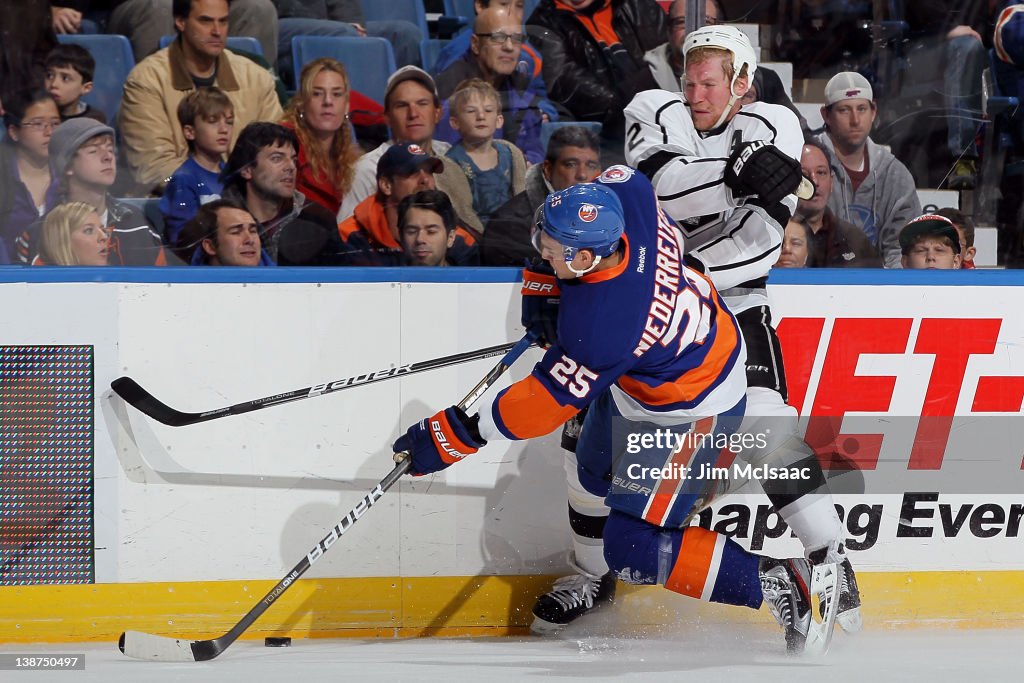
(133, 393)
(162, 648)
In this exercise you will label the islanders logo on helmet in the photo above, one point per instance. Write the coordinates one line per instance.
(588, 213)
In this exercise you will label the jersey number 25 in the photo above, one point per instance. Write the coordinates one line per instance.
(575, 377)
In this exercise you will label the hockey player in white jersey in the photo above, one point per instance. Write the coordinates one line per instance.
(727, 175)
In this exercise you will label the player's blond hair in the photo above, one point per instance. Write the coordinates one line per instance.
(703, 54)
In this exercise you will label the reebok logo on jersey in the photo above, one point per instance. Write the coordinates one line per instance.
(587, 213)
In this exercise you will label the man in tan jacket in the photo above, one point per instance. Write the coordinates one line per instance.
(154, 143)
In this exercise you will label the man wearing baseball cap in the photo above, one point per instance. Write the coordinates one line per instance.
(413, 109)
(872, 188)
(370, 235)
(930, 241)
(84, 159)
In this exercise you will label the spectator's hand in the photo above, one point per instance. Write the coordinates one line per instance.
(962, 30)
(362, 31)
(65, 19)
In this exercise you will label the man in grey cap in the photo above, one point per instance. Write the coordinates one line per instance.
(872, 189)
(413, 109)
(84, 158)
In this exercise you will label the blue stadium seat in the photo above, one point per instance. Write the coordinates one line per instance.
(459, 8)
(429, 50)
(389, 10)
(549, 127)
(114, 61)
(369, 61)
(243, 43)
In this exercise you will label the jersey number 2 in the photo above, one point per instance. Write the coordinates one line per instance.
(575, 377)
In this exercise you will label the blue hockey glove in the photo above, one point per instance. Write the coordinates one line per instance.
(541, 297)
(436, 442)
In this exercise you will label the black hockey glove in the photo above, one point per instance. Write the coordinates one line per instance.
(762, 169)
(541, 297)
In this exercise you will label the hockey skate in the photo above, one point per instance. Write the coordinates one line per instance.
(570, 598)
(848, 604)
(787, 586)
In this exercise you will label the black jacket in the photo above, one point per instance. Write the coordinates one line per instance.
(506, 241)
(586, 79)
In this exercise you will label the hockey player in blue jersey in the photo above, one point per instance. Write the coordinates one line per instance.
(648, 345)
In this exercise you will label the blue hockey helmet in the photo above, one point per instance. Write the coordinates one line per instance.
(584, 216)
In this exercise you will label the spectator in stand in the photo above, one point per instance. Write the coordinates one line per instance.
(494, 56)
(666, 61)
(796, 242)
(930, 242)
(371, 236)
(594, 56)
(260, 176)
(496, 169)
(573, 157)
(342, 18)
(26, 37)
(965, 231)
(318, 113)
(413, 108)
(69, 70)
(84, 159)
(155, 144)
(834, 243)
(426, 226)
(206, 119)
(875, 191)
(231, 236)
(28, 184)
(458, 47)
(145, 22)
(73, 235)
(956, 25)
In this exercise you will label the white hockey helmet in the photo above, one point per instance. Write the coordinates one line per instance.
(726, 38)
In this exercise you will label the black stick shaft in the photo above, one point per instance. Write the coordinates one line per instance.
(133, 393)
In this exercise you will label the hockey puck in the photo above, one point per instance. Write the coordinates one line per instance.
(277, 642)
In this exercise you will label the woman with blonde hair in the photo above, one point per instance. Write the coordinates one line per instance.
(318, 113)
(73, 235)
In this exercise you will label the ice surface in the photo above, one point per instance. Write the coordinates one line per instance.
(719, 654)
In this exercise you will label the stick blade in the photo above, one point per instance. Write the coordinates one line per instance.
(806, 189)
(133, 393)
(145, 646)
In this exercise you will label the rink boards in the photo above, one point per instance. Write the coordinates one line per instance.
(191, 525)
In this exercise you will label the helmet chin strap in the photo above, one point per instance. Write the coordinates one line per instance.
(732, 100)
(581, 273)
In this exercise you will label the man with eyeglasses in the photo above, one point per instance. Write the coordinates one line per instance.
(494, 56)
(666, 61)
